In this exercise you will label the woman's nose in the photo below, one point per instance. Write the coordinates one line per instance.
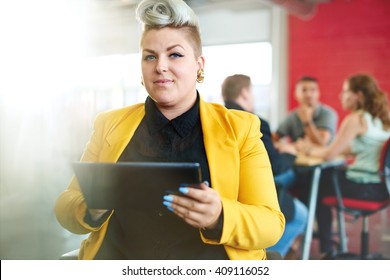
(162, 66)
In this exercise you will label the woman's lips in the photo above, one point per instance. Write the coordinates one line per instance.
(163, 81)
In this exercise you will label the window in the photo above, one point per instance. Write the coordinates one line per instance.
(252, 59)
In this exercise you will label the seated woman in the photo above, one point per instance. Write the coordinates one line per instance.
(362, 133)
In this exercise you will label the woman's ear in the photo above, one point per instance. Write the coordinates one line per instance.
(360, 98)
(201, 62)
(245, 93)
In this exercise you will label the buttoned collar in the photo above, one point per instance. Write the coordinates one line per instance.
(183, 124)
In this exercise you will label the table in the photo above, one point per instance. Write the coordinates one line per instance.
(316, 165)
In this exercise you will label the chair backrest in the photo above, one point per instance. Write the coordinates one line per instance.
(384, 167)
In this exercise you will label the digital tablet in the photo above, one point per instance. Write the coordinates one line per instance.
(137, 185)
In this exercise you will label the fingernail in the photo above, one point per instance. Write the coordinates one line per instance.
(206, 183)
(170, 209)
(167, 204)
(168, 198)
(183, 190)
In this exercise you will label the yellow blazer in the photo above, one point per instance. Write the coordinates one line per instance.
(240, 171)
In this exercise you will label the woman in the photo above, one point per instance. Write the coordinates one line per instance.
(236, 216)
(362, 133)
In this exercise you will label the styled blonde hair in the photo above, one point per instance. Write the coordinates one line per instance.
(162, 13)
(157, 14)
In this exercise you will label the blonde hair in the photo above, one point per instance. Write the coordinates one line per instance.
(157, 14)
(162, 13)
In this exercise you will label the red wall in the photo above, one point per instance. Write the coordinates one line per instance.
(342, 38)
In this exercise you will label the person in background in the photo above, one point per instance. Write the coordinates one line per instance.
(311, 120)
(234, 216)
(314, 122)
(237, 94)
(362, 134)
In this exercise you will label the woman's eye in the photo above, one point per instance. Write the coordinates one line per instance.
(175, 55)
(149, 57)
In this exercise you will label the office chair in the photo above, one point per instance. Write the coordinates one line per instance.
(359, 209)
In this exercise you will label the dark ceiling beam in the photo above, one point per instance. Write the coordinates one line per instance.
(300, 8)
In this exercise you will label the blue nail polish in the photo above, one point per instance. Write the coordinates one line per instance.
(168, 198)
(167, 204)
(170, 209)
(206, 183)
(183, 190)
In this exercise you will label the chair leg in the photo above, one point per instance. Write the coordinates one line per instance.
(342, 231)
(364, 239)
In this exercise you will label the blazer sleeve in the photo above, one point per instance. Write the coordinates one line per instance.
(70, 207)
(252, 216)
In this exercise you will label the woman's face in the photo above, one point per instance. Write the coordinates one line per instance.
(169, 68)
(349, 99)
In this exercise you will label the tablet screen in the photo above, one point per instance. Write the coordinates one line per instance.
(138, 185)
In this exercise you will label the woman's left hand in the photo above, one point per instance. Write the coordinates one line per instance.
(199, 207)
(303, 146)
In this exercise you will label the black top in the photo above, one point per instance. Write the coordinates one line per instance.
(162, 235)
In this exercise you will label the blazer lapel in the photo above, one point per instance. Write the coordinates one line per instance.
(222, 154)
(120, 135)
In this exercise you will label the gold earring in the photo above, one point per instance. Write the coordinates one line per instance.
(200, 76)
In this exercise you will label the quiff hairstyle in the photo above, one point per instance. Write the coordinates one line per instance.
(154, 14)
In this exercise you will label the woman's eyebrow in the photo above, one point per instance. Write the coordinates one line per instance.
(168, 49)
(174, 46)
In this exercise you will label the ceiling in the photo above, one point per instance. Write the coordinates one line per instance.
(300, 8)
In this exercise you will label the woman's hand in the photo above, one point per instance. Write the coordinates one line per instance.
(199, 207)
(288, 148)
(303, 146)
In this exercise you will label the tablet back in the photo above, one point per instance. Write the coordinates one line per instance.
(138, 185)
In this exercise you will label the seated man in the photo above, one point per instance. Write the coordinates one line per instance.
(237, 94)
(311, 122)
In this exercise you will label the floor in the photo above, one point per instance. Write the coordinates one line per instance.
(379, 235)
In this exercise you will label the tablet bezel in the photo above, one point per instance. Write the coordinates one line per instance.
(139, 185)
